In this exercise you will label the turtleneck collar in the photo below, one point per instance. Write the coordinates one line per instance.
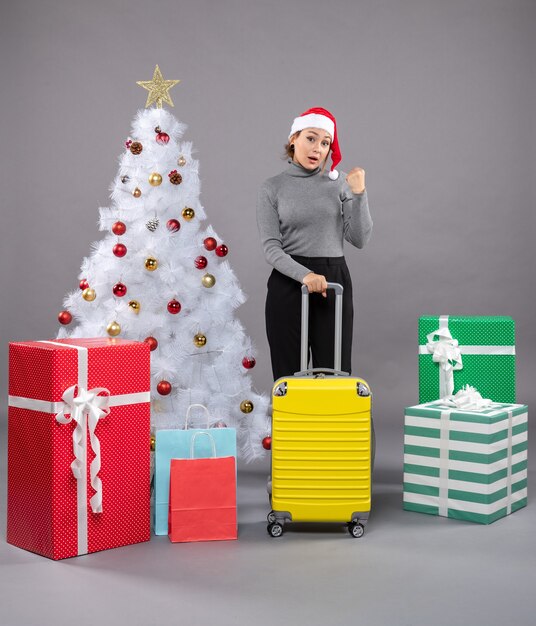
(295, 169)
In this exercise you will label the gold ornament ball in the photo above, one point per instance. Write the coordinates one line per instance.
(135, 306)
(246, 406)
(89, 294)
(181, 162)
(188, 214)
(113, 329)
(137, 192)
(155, 179)
(208, 281)
(153, 443)
(200, 340)
(151, 264)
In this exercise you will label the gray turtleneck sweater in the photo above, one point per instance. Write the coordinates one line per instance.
(305, 213)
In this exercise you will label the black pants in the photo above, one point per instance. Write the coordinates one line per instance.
(283, 318)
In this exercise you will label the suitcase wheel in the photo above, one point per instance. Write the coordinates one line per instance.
(271, 517)
(356, 529)
(275, 530)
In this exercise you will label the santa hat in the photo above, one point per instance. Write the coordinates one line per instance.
(321, 118)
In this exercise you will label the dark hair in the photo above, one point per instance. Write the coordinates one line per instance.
(289, 148)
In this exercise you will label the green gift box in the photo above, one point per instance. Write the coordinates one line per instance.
(455, 351)
(468, 465)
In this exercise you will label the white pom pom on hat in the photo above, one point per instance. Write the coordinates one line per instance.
(318, 117)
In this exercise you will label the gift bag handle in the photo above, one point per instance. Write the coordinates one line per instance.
(201, 406)
(192, 444)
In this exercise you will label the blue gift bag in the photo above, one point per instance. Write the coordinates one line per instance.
(175, 444)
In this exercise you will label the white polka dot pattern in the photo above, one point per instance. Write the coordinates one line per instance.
(42, 491)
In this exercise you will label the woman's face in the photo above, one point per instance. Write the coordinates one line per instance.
(311, 147)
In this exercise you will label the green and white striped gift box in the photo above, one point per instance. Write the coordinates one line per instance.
(468, 465)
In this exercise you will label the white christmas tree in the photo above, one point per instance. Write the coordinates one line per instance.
(160, 276)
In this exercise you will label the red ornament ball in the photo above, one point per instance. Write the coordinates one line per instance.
(163, 388)
(173, 225)
(153, 343)
(210, 243)
(119, 228)
(248, 362)
(174, 307)
(222, 250)
(119, 249)
(64, 317)
(267, 443)
(83, 284)
(201, 262)
(162, 138)
(119, 290)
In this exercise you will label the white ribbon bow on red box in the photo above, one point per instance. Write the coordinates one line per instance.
(86, 408)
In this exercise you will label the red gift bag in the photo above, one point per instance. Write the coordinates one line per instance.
(202, 497)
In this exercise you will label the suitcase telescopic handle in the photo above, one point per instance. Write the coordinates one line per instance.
(305, 327)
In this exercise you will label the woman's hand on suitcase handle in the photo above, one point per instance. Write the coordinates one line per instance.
(316, 283)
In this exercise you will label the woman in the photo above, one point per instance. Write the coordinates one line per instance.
(303, 217)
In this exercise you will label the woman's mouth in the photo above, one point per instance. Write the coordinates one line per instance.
(313, 159)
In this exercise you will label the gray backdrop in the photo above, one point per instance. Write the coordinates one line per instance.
(436, 101)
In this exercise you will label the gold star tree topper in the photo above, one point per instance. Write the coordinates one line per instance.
(158, 89)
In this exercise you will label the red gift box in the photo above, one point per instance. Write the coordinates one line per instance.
(78, 445)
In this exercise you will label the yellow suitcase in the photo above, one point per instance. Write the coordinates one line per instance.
(322, 441)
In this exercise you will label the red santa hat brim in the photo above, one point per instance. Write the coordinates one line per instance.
(313, 120)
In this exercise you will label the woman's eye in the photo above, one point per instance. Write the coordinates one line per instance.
(325, 144)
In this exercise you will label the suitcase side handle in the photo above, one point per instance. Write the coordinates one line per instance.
(304, 360)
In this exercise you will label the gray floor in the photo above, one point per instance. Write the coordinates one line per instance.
(408, 569)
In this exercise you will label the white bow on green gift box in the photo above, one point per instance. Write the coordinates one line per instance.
(445, 351)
